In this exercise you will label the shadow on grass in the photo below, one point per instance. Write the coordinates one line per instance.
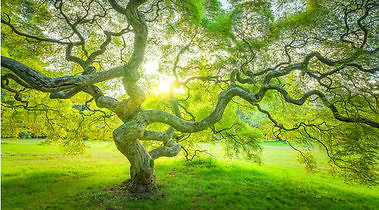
(41, 189)
(204, 184)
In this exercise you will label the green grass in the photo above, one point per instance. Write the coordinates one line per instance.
(36, 176)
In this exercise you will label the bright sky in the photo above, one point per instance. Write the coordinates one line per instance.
(150, 67)
(225, 4)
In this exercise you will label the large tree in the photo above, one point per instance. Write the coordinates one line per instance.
(310, 68)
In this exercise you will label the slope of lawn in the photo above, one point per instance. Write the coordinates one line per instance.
(37, 176)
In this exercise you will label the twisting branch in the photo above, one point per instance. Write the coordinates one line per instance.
(72, 58)
(103, 46)
(354, 9)
(37, 107)
(58, 4)
(5, 77)
(47, 84)
(187, 155)
(8, 22)
(234, 90)
(117, 7)
(85, 64)
(158, 135)
(193, 118)
(303, 126)
(169, 150)
(105, 115)
(156, 11)
(5, 85)
(325, 101)
(182, 50)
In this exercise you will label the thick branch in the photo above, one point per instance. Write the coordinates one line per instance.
(170, 149)
(158, 136)
(117, 7)
(191, 127)
(325, 101)
(136, 20)
(16, 79)
(165, 151)
(47, 84)
(234, 90)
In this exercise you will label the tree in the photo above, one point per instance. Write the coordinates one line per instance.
(312, 72)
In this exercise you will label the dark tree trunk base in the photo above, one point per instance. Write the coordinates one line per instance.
(132, 187)
(129, 192)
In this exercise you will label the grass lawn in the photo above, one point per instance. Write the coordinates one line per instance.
(35, 176)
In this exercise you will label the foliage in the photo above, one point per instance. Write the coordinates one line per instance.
(303, 72)
(57, 121)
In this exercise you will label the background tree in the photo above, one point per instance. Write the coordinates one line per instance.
(312, 72)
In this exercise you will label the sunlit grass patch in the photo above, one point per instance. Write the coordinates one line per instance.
(59, 182)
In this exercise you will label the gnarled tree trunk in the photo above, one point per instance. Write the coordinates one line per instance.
(142, 174)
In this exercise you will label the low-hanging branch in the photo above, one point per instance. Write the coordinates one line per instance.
(47, 84)
(223, 100)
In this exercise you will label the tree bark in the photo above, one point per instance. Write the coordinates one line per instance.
(142, 174)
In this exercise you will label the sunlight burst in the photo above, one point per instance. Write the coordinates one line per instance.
(163, 86)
